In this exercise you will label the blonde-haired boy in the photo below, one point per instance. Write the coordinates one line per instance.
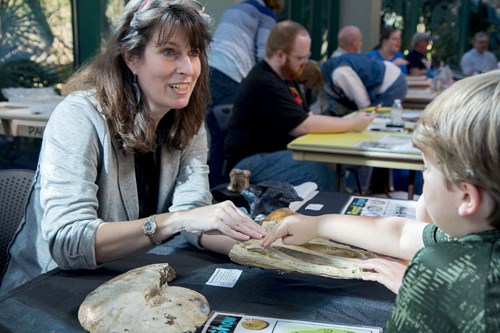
(452, 283)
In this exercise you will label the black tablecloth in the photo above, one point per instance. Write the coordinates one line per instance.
(50, 302)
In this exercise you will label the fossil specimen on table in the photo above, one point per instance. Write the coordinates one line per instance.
(318, 257)
(141, 300)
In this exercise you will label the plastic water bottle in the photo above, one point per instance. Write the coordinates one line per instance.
(397, 113)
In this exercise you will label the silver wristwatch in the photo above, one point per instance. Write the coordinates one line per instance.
(149, 228)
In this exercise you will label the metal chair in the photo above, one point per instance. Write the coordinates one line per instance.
(15, 185)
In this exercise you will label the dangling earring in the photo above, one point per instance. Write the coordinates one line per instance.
(137, 91)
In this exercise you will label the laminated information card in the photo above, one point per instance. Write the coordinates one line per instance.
(375, 206)
(219, 322)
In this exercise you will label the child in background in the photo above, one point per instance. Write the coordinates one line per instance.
(452, 283)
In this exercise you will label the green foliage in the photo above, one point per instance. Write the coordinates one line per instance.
(26, 42)
(27, 73)
(442, 21)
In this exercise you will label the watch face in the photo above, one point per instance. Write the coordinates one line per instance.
(149, 227)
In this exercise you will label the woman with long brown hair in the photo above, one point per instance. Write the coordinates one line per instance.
(123, 161)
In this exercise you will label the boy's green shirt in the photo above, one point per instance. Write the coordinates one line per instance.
(451, 285)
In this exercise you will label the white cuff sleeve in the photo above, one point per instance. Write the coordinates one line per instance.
(346, 79)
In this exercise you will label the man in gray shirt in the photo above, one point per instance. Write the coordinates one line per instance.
(478, 59)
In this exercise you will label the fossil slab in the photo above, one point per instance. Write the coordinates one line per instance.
(142, 301)
(319, 256)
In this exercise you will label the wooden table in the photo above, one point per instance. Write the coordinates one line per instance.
(368, 148)
(417, 98)
(26, 119)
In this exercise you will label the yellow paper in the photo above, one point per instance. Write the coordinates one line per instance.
(381, 109)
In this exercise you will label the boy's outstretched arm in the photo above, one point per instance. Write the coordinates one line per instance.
(392, 236)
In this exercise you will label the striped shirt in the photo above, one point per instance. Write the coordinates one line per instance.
(239, 41)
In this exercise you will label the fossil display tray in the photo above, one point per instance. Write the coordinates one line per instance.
(319, 256)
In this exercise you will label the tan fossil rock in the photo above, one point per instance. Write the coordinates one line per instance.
(142, 301)
(318, 257)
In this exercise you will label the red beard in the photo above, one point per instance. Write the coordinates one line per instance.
(289, 73)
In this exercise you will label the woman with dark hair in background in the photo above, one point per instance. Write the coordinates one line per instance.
(388, 49)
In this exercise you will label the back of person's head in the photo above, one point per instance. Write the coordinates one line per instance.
(275, 5)
(418, 38)
(350, 38)
(109, 75)
(282, 37)
(460, 129)
(312, 76)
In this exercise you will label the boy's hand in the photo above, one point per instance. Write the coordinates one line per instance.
(294, 230)
(387, 271)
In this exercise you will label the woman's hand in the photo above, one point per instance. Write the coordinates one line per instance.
(224, 217)
(294, 230)
(388, 272)
(361, 120)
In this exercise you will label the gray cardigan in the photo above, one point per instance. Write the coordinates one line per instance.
(84, 178)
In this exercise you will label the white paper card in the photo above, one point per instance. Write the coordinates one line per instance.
(306, 191)
(315, 207)
(226, 278)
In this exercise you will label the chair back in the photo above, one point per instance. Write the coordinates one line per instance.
(222, 114)
(217, 132)
(15, 185)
